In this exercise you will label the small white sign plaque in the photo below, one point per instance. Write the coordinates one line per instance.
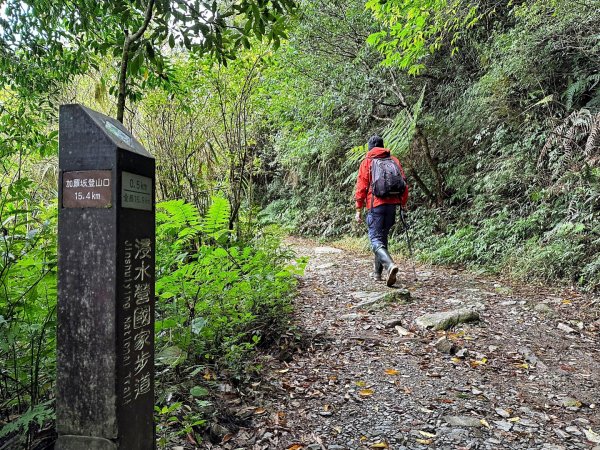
(136, 192)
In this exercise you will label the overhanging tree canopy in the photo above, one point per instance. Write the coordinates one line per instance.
(44, 35)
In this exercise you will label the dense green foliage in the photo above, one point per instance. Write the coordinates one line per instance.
(493, 108)
(98, 53)
(501, 151)
(217, 301)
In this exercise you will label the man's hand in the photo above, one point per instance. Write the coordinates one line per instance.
(358, 216)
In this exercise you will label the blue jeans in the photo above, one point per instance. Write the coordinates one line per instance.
(379, 221)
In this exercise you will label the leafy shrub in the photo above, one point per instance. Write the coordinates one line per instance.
(27, 308)
(218, 299)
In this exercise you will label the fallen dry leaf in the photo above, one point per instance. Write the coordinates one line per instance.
(259, 411)
(453, 336)
(424, 441)
(295, 447)
(485, 423)
(426, 434)
(281, 419)
(191, 439)
(380, 445)
(478, 363)
(391, 372)
(366, 392)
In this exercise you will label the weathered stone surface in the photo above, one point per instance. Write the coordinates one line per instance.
(84, 443)
(570, 402)
(398, 296)
(503, 425)
(351, 316)
(566, 328)
(445, 346)
(462, 421)
(392, 322)
(544, 308)
(105, 332)
(367, 298)
(402, 331)
(447, 319)
(370, 298)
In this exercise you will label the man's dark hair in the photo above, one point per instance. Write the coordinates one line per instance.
(375, 141)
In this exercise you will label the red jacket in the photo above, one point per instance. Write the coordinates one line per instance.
(363, 182)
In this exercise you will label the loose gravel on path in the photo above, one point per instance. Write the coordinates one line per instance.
(525, 376)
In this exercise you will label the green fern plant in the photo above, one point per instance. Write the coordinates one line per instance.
(180, 220)
(397, 137)
(399, 134)
(574, 141)
(580, 87)
(216, 221)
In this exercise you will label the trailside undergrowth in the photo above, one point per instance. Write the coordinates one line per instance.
(499, 136)
(218, 300)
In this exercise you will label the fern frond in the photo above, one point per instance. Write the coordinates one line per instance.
(573, 90)
(179, 219)
(216, 220)
(593, 141)
(400, 133)
(566, 137)
(350, 178)
(179, 214)
(580, 87)
(356, 154)
(583, 121)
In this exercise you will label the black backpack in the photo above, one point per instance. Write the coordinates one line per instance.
(386, 178)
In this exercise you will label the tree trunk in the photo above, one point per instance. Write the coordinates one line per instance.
(125, 59)
(433, 165)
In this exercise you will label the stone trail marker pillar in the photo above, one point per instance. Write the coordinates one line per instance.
(106, 249)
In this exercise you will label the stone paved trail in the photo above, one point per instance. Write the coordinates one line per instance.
(526, 376)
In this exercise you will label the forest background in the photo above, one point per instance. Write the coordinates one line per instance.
(257, 113)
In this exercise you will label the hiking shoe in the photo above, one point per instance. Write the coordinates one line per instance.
(391, 278)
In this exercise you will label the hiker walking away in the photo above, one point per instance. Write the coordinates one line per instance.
(380, 187)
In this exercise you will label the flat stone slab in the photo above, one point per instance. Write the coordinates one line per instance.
(370, 298)
(327, 250)
(544, 308)
(447, 319)
(462, 421)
